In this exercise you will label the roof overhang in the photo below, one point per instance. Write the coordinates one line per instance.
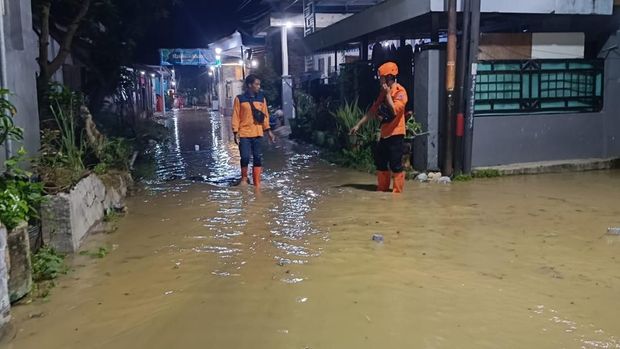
(394, 12)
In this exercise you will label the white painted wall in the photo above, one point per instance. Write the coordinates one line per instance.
(558, 45)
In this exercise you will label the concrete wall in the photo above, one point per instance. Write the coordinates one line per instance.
(22, 48)
(5, 305)
(510, 139)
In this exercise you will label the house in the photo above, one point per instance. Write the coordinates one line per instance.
(547, 77)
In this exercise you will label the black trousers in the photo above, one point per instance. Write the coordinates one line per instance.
(389, 154)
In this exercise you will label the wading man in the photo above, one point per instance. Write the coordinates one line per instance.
(250, 121)
(389, 108)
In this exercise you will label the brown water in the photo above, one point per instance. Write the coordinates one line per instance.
(518, 262)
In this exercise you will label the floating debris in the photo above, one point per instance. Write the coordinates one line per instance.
(377, 238)
(613, 230)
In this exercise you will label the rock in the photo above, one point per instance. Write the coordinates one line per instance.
(377, 238)
(20, 268)
(444, 180)
(434, 176)
(422, 177)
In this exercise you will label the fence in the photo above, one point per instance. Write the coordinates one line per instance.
(539, 86)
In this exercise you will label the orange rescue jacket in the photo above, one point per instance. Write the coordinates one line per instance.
(243, 121)
(397, 126)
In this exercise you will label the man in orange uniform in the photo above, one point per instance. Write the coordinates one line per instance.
(389, 108)
(249, 122)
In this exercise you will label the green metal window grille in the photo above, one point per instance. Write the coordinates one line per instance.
(539, 86)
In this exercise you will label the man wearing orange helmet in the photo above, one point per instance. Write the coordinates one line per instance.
(389, 108)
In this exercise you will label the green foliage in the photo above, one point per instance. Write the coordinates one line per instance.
(13, 208)
(347, 116)
(47, 264)
(101, 252)
(8, 130)
(462, 178)
(302, 125)
(100, 169)
(64, 105)
(486, 173)
(116, 154)
(413, 127)
(21, 198)
(271, 83)
(61, 160)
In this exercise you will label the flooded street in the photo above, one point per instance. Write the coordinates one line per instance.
(516, 262)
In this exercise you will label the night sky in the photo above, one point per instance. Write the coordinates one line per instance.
(195, 23)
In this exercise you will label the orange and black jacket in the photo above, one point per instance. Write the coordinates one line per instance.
(243, 121)
(397, 126)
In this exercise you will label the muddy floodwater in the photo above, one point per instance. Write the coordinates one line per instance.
(515, 262)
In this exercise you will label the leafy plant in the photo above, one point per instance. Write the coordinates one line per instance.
(101, 252)
(463, 178)
(116, 154)
(61, 161)
(13, 208)
(347, 116)
(486, 173)
(306, 107)
(413, 127)
(8, 130)
(100, 169)
(17, 181)
(71, 147)
(47, 264)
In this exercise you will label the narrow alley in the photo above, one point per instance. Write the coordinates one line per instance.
(200, 263)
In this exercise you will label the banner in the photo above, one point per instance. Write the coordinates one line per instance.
(179, 56)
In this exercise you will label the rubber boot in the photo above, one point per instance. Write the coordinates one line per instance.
(383, 180)
(256, 175)
(399, 182)
(244, 176)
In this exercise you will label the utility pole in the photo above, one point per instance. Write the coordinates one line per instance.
(163, 89)
(463, 72)
(468, 139)
(287, 81)
(242, 62)
(450, 87)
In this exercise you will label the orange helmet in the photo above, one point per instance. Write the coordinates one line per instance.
(389, 68)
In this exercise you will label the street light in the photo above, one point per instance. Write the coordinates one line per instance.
(288, 25)
(210, 73)
(241, 62)
(142, 73)
(218, 51)
(212, 68)
(254, 63)
(152, 75)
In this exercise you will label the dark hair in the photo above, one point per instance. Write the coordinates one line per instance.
(250, 80)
